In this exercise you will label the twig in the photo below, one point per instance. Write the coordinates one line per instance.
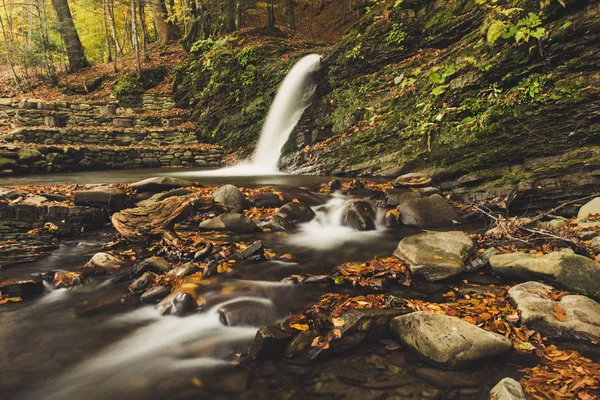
(539, 217)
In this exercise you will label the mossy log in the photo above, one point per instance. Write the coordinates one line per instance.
(143, 223)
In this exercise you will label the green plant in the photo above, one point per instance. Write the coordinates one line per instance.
(247, 56)
(396, 35)
(355, 53)
(525, 29)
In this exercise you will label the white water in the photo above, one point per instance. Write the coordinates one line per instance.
(326, 231)
(293, 96)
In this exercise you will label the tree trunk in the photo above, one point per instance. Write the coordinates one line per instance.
(144, 36)
(107, 46)
(289, 14)
(271, 13)
(238, 14)
(110, 12)
(165, 30)
(69, 35)
(134, 36)
(229, 16)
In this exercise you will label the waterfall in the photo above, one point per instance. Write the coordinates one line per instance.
(292, 98)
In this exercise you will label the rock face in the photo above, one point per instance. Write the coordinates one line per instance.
(507, 389)
(447, 341)
(429, 212)
(562, 267)
(592, 207)
(435, 255)
(359, 215)
(232, 222)
(111, 198)
(581, 318)
(230, 196)
(160, 184)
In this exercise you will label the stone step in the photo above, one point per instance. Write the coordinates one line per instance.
(94, 117)
(103, 136)
(20, 158)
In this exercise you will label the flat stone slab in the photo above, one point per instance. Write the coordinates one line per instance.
(572, 318)
(111, 198)
(564, 267)
(160, 184)
(447, 341)
(435, 255)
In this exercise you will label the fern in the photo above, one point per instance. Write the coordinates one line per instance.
(496, 29)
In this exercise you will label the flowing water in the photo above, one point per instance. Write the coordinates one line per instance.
(293, 97)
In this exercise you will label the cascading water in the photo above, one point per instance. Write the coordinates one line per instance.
(292, 98)
(327, 231)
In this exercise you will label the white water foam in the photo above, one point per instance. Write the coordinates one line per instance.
(293, 96)
(326, 231)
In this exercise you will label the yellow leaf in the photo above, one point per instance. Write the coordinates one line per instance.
(338, 322)
(437, 257)
(286, 256)
(299, 327)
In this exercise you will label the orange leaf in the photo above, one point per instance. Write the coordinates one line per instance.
(559, 313)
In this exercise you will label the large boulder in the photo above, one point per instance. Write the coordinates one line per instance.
(435, 255)
(563, 267)
(230, 221)
(447, 341)
(507, 389)
(590, 208)
(230, 196)
(572, 318)
(428, 212)
(111, 198)
(160, 184)
(289, 215)
(359, 215)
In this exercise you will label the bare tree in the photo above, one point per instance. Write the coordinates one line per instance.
(165, 29)
(134, 37)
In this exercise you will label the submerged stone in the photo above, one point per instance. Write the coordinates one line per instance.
(232, 222)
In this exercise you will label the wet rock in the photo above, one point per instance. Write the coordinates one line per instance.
(230, 221)
(11, 194)
(592, 207)
(554, 224)
(303, 196)
(254, 252)
(428, 212)
(595, 245)
(203, 254)
(563, 267)
(156, 197)
(155, 294)
(581, 314)
(105, 261)
(586, 235)
(359, 215)
(142, 283)
(507, 389)
(412, 180)
(230, 196)
(67, 280)
(181, 302)
(278, 223)
(111, 198)
(482, 261)
(357, 327)
(334, 185)
(154, 264)
(395, 197)
(447, 341)
(391, 219)
(24, 289)
(185, 270)
(34, 200)
(248, 312)
(160, 184)
(295, 213)
(435, 255)
(270, 200)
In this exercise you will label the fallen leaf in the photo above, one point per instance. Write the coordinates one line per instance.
(299, 327)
